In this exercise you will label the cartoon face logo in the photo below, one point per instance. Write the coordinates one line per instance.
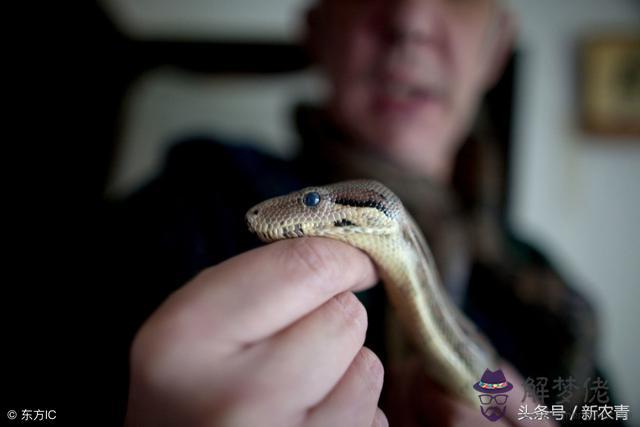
(493, 387)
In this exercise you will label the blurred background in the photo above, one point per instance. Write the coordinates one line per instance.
(233, 68)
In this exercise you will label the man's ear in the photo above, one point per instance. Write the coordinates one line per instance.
(500, 45)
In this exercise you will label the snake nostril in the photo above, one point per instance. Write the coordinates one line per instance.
(255, 212)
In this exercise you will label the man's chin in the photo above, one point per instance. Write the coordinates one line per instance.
(408, 145)
(407, 135)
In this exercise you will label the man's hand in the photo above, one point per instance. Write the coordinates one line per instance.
(273, 336)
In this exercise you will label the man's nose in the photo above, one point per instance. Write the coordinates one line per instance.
(414, 22)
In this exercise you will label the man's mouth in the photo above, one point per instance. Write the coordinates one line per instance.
(408, 82)
(404, 97)
(406, 92)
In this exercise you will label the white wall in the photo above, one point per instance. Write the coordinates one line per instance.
(206, 19)
(578, 195)
(166, 105)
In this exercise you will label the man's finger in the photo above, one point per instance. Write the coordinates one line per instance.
(256, 294)
(380, 419)
(309, 358)
(354, 400)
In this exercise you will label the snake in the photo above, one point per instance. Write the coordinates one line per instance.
(369, 216)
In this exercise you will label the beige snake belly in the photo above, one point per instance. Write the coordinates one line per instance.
(367, 215)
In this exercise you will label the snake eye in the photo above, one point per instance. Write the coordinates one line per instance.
(311, 199)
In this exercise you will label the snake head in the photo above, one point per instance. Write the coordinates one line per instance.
(361, 206)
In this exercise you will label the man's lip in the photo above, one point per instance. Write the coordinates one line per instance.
(407, 90)
(419, 72)
(404, 98)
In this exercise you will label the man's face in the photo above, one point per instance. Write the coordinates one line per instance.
(406, 74)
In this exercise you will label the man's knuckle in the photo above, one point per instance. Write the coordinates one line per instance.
(156, 354)
(144, 346)
(372, 367)
(144, 356)
(352, 314)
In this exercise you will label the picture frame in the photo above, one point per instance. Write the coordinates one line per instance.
(610, 85)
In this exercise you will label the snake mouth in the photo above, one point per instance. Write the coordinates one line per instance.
(264, 233)
(265, 236)
(270, 234)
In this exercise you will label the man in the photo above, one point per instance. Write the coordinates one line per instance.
(274, 335)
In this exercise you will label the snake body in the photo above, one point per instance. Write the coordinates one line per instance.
(369, 216)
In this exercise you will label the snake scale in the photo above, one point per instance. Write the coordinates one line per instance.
(370, 217)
